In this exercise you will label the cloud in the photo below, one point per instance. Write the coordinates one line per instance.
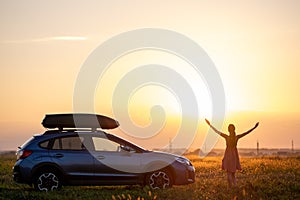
(70, 38)
(45, 39)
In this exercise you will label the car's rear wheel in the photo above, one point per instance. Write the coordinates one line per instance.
(47, 180)
(160, 179)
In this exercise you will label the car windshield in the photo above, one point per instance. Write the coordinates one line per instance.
(127, 143)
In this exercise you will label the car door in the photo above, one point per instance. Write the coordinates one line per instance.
(114, 163)
(72, 157)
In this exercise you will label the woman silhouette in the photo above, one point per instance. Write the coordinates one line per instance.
(231, 160)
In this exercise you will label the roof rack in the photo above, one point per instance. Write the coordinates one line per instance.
(78, 121)
(82, 130)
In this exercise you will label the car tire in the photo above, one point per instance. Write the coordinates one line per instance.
(160, 179)
(47, 180)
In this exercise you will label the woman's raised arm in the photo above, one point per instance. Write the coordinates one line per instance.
(213, 128)
(249, 131)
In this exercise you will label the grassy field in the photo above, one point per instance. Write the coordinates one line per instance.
(261, 178)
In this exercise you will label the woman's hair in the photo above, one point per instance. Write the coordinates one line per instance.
(231, 128)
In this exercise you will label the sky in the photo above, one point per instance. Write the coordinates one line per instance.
(254, 45)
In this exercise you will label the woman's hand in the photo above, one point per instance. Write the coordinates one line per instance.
(207, 122)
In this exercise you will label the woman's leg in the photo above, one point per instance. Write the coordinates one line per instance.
(233, 178)
(229, 178)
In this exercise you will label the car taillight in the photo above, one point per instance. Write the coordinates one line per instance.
(22, 154)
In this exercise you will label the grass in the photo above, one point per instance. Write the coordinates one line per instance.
(261, 178)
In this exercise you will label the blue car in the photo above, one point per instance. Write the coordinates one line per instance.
(72, 155)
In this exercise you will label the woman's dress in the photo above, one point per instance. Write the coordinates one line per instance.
(231, 160)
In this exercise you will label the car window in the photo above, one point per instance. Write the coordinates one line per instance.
(103, 144)
(68, 143)
(44, 144)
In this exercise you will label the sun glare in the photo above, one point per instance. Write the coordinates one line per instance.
(151, 94)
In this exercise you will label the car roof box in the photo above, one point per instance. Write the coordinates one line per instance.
(93, 121)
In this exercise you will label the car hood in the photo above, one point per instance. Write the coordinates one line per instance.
(155, 160)
(167, 155)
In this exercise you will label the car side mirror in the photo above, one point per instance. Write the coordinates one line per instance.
(125, 148)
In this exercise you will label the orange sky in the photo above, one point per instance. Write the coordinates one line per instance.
(255, 46)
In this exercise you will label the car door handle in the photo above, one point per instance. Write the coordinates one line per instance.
(59, 155)
(100, 157)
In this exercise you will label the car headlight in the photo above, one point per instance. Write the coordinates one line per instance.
(183, 161)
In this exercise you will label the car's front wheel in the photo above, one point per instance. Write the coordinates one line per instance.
(160, 179)
(47, 180)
